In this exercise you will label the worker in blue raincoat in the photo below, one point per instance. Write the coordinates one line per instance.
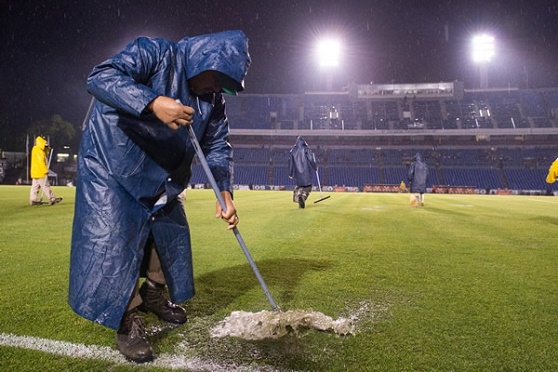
(302, 167)
(135, 159)
(417, 175)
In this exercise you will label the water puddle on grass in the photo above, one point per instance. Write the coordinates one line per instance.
(276, 324)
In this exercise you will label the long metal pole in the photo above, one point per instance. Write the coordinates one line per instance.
(322, 198)
(28, 160)
(84, 123)
(317, 175)
(50, 158)
(209, 175)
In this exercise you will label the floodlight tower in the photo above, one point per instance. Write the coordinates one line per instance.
(483, 51)
(328, 52)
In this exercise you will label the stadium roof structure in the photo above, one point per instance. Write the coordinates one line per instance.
(430, 114)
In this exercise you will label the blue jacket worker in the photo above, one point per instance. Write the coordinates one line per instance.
(302, 167)
(416, 176)
(135, 159)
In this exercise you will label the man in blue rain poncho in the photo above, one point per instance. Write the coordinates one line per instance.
(135, 159)
(301, 167)
(417, 175)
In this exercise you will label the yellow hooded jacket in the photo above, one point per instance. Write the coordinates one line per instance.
(39, 165)
(552, 172)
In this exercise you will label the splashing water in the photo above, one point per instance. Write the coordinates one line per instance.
(274, 324)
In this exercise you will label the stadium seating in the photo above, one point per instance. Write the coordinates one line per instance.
(501, 166)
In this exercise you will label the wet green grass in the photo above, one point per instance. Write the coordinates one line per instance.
(466, 283)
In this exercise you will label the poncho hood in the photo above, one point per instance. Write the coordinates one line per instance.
(40, 142)
(226, 52)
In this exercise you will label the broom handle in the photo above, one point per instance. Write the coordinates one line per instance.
(319, 186)
(317, 176)
(50, 158)
(215, 187)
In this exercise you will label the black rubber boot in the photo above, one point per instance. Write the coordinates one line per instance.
(131, 338)
(156, 300)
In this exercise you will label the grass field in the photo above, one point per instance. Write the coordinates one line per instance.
(466, 283)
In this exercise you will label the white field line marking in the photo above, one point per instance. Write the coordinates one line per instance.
(544, 201)
(105, 353)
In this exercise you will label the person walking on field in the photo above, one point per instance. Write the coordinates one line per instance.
(39, 173)
(302, 168)
(402, 187)
(135, 160)
(416, 177)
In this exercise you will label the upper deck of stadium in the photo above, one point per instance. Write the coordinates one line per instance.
(369, 112)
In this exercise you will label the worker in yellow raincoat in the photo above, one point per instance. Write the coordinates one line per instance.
(39, 173)
(552, 172)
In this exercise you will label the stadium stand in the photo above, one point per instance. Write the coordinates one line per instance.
(486, 139)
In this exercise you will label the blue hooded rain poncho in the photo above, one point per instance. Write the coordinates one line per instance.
(131, 167)
(417, 175)
(301, 163)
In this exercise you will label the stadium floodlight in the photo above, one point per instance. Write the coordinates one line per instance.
(328, 52)
(483, 50)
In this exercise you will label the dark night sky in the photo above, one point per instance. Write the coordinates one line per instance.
(48, 48)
